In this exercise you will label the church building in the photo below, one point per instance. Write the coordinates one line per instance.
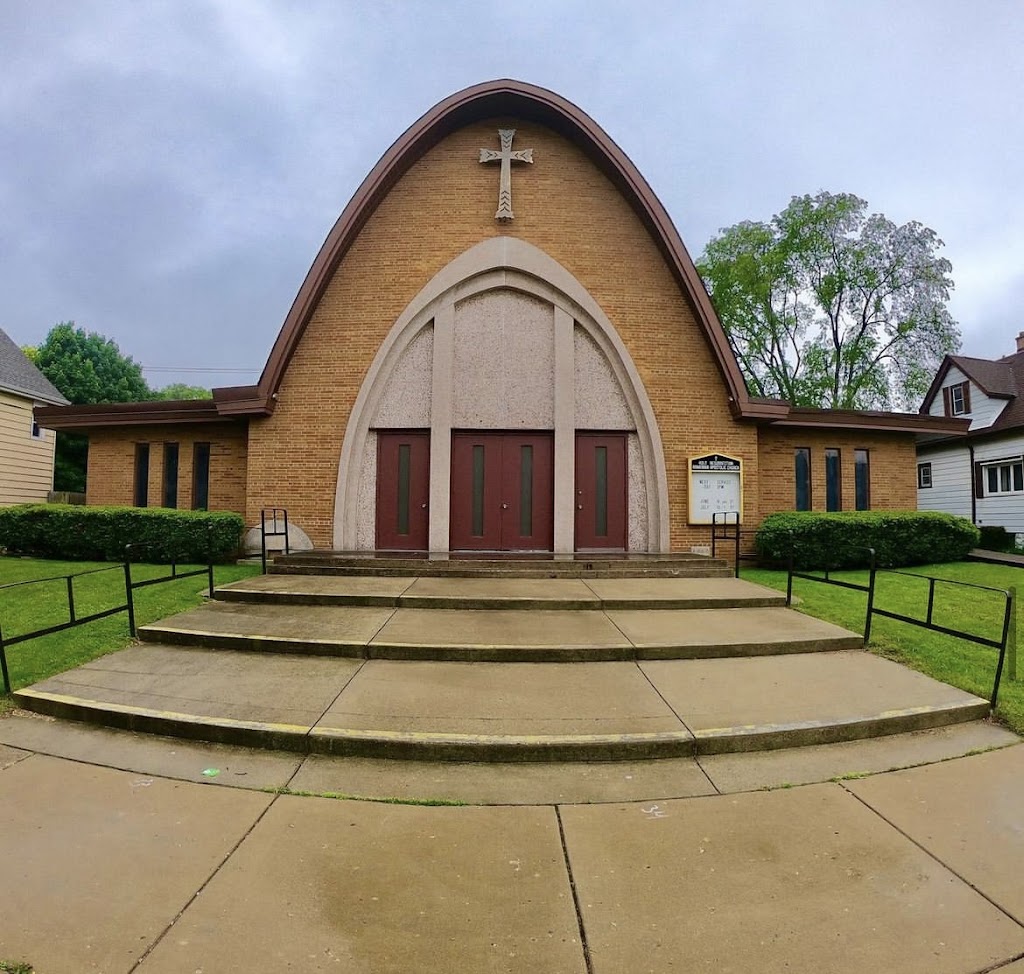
(502, 345)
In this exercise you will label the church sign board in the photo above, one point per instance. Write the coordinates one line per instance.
(716, 487)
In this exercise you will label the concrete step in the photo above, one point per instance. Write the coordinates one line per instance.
(499, 635)
(559, 594)
(496, 712)
(509, 565)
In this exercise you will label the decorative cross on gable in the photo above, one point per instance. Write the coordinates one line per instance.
(506, 156)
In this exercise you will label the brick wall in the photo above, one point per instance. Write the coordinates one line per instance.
(892, 459)
(443, 206)
(111, 476)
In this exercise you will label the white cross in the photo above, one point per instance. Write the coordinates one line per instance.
(507, 157)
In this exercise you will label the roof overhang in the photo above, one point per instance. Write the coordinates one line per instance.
(861, 419)
(130, 414)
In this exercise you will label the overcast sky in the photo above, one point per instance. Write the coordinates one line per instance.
(169, 168)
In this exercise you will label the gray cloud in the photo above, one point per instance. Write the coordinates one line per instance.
(170, 169)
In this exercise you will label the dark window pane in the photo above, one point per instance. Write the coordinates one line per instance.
(833, 481)
(601, 491)
(1004, 478)
(1018, 476)
(525, 491)
(862, 475)
(200, 476)
(403, 488)
(141, 474)
(170, 475)
(478, 492)
(802, 459)
(993, 480)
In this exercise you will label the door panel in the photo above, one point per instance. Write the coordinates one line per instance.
(601, 501)
(403, 490)
(502, 491)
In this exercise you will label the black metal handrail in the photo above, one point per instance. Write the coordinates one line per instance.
(720, 532)
(130, 585)
(275, 533)
(1007, 634)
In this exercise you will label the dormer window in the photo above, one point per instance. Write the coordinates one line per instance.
(957, 399)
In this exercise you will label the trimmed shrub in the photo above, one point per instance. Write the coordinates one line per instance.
(994, 537)
(836, 540)
(157, 534)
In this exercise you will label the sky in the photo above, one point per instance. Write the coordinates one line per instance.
(170, 168)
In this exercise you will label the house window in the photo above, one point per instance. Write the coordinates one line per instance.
(141, 474)
(802, 462)
(924, 475)
(200, 476)
(862, 480)
(37, 430)
(833, 480)
(957, 399)
(170, 475)
(1005, 477)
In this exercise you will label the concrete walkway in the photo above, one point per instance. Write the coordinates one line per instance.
(179, 864)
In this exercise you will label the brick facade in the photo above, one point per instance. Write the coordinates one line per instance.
(111, 475)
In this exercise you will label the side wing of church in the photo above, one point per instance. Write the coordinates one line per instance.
(503, 345)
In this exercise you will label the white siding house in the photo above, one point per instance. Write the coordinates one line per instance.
(979, 476)
(26, 449)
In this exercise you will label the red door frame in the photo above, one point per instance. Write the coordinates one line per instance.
(589, 510)
(403, 490)
(496, 523)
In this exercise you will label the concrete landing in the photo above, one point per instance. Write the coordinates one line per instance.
(490, 711)
(503, 593)
(499, 635)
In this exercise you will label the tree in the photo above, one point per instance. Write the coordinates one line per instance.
(179, 390)
(85, 368)
(829, 306)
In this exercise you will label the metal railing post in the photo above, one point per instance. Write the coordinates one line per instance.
(129, 589)
(789, 580)
(737, 544)
(71, 599)
(1007, 615)
(1011, 643)
(209, 556)
(872, 575)
(263, 540)
(287, 548)
(3, 664)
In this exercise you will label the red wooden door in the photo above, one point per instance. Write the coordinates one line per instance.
(403, 490)
(502, 492)
(601, 491)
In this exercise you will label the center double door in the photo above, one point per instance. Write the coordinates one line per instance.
(502, 491)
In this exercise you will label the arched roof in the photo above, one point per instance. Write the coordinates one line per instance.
(504, 97)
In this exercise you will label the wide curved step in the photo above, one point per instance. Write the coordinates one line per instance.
(499, 635)
(494, 712)
(562, 594)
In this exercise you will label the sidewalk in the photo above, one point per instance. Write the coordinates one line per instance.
(115, 871)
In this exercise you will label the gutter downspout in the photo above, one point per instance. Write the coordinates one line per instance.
(974, 492)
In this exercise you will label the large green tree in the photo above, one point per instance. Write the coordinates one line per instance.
(180, 390)
(86, 368)
(826, 305)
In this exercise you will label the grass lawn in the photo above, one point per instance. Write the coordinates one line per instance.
(955, 661)
(29, 607)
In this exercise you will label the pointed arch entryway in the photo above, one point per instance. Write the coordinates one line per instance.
(505, 351)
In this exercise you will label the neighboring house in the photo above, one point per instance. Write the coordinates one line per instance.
(980, 476)
(26, 449)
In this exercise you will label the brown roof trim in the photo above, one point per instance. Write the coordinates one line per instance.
(494, 98)
(128, 414)
(870, 420)
(933, 389)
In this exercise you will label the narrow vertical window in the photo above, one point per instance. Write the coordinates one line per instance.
(601, 491)
(862, 479)
(170, 492)
(924, 475)
(525, 491)
(802, 476)
(478, 492)
(200, 476)
(141, 474)
(403, 488)
(833, 481)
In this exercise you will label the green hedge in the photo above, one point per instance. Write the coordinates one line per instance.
(101, 533)
(820, 540)
(995, 537)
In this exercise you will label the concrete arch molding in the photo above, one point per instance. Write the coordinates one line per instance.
(510, 264)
